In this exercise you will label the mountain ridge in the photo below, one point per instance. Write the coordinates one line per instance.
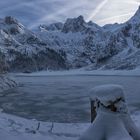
(73, 44)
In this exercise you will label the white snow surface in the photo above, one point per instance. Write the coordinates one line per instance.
(107, 93)
(109, 126)
(16, 128)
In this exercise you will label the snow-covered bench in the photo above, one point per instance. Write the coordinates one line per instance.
(110, 116)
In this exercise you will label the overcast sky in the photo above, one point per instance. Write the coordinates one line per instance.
(34, 12)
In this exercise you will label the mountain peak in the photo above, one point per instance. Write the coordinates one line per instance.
(136, 17)
(74, 24)
(80, 18)
(10, 20)
(11, 25)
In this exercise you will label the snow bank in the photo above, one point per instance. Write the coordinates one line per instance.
(6, 83)
(15, 128)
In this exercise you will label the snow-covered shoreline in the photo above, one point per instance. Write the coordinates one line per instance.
(135, 72)
(15, 128)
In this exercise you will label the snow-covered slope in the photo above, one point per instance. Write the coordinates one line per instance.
(73, 44)
(129, 58)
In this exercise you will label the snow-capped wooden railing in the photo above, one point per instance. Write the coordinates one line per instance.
(110, 116)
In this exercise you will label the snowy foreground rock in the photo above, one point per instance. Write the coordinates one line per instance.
(112, 120)
(6, 83)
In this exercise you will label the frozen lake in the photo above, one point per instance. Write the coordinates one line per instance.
(63, 98)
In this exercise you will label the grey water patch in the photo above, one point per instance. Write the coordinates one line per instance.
(62, 98)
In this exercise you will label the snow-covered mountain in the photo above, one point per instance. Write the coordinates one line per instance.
(73, 44)
(113, 46)
(83, 43)
(23, 50)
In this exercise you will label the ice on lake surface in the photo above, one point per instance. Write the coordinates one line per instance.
(63, 98)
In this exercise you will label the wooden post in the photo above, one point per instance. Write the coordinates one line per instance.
(93, 110)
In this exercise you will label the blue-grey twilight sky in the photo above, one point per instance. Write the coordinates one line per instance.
(34, 12)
